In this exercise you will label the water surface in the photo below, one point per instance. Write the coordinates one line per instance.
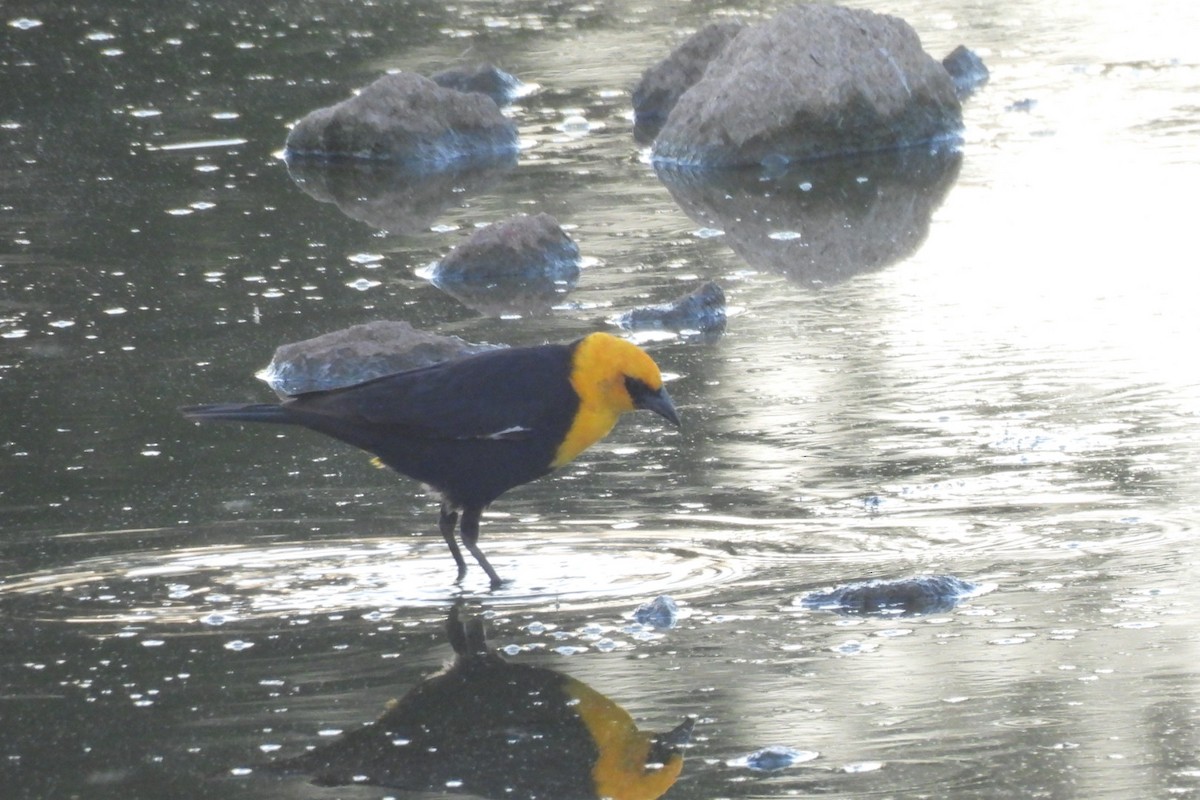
(986, 372)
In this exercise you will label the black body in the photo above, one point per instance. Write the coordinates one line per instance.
(471, 429)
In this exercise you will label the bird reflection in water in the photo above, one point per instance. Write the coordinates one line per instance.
(489, 728)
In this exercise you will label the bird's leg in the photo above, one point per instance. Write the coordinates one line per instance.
(446, 522)
(470, 537)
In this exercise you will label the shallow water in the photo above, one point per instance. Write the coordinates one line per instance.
(996, 382)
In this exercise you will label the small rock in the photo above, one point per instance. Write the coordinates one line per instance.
(772, 758)
(701, 311)
(927, 594)
(406, 118)
(967, 70)
(661, 612)
(357, 354)
(523, 265)
(485, 79)
(662, 85)
(814, 81)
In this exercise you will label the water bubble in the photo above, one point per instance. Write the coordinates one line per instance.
(25, 23)
(362, 284)
(862, 766)
(238, 645)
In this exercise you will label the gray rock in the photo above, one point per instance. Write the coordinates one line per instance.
(701, 311)
(388, 196)
(661, 612)
(663, 84)
(927, 594)
(523, 265)
(357, 354)
(821, 222)
(814, 81)
(406, 118)
(772, 758)
(486, 79)
(967, 70)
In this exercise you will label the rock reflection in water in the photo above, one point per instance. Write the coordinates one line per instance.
(487, 727)
(390, 197)
(821, 222)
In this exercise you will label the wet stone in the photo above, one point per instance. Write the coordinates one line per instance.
(664, 83)
(357, 354)
(814, 81)
(906, 596)
(409, 119)
(700, 311)
(523, 265)
(485, 79)
(661, 612)
(772, 758)
(967, 70)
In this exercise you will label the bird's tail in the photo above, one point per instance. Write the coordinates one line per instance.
(238, 412)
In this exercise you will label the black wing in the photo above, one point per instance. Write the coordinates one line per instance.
(497, 394)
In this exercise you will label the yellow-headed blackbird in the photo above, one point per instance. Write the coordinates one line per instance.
(476, 427)
(489, 728)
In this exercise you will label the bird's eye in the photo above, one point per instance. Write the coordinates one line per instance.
(637, 388)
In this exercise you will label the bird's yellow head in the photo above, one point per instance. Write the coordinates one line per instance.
(611, 377)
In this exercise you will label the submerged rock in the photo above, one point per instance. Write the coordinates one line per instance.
(406, 118)
(967, 70)
(523, 265)
(359, 353)
(663, 84)
(814, 81)
(773, 757)
(821, 222)
(390, 196)
(486, 79)
(661, 612)
(927, 594)
(701, 311)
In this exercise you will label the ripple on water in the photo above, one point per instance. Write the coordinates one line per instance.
(220, 583)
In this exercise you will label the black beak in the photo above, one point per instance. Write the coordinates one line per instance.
(660, 403)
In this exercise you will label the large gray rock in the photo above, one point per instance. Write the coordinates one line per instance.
(523, 265)
(407, 118)
(359, 353)
(663, 84)
(812, 82)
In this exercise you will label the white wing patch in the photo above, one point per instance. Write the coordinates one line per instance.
(509, 433)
